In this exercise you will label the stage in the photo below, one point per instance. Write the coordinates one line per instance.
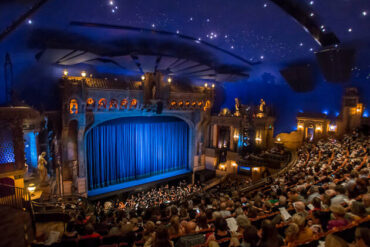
(132, 185)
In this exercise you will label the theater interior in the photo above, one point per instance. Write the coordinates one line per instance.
(195, 123)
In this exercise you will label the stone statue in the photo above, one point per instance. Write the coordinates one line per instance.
(41, 166)
(237, 107)
(262, 105)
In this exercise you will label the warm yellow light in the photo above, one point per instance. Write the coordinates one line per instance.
(31, 188)
(65, 72)
(258, 139)
(213, 85)
(206, 84)
(278, 139)
(143, 77)
(300, 126)
(234, 164)
(332, 127)
(256, 169)
(222, 167)
(318, 128)
(83, 73)
(358, 110)
(169, 79)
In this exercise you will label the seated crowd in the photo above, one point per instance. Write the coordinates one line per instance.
(322, 198)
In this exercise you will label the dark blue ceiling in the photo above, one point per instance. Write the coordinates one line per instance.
(256, 30)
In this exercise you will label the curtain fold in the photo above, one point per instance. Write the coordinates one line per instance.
(131, 148)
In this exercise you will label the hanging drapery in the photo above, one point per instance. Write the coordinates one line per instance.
(131, 148)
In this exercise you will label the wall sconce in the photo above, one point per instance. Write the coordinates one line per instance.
(300, 126)
(332, 127)
(169, 80)
(65, 72)
(213, 85)
(143, 77)
(318, 128)
(258, 139)
(83, 73)
(256, 169)
(234, 164)
(222, 166)
(31, 188)
(206, 84)
(278, 139)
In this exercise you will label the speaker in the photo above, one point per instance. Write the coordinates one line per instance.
(159, 107)
(299, 77)
(336, 64)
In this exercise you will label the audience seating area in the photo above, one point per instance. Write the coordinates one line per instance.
(322, 200)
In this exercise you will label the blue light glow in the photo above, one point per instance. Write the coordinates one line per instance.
(6, 146)
(365, 114)
(337, 114)
(243, 168)
(326, 112)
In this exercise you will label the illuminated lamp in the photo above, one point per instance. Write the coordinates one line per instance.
(256, 169)
(318, 128)
(193, 103)
(200, 103)
(222, 166)
(300, 126)
(173, 103)
(187, 103)
(234, 164)
(180, 103)
(83, 73)
(213, 85)
(258, 139)
(143, 77)
(332, 127)
(31, 188)
(358, 110)
(90, 101)
(278, 139)
(169, 79)
(65, 72)
(206, 84)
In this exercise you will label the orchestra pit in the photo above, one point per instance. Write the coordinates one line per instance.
(197, 123)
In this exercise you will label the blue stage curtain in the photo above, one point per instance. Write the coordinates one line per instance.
(130, 148)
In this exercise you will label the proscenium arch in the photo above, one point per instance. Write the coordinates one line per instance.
(189, 122)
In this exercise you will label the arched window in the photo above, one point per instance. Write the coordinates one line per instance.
(124, 103)
(102, 104)
(73, 106)
(113, 104)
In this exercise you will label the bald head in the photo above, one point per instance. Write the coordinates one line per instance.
(190, 227)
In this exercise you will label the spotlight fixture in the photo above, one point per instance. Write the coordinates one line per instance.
(143, 77)
(65, 72)
(83, 73)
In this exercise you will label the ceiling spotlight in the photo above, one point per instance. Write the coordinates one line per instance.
(364, 13)
(65, 72)
(169, 79)
(143, 77)
(349, 30)
(83, 73)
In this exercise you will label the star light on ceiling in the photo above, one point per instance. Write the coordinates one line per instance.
(262, 57)
(29, 22)
(312, 2)
(364, 13)
(111, 2)
(265, 5)
(301, 44)
(350, 30)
